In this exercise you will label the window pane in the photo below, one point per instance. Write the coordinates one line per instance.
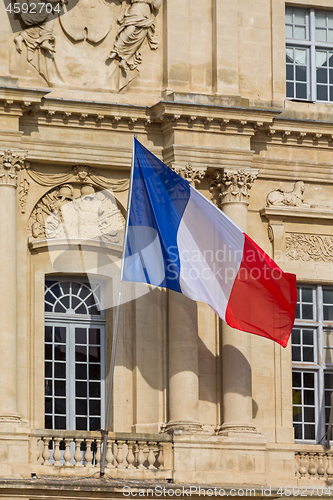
(307, 295)
(301, 73)
(328, 380)
(296, 353)
(331, 75)
(296, 379)
(48, 370)
(308, 380)
(80, 371)
(290, 54)
(300, 33)
(300, 56)
(94, 336)
(48, 351)
(328, 313)
(300, 16)
(309, 432)
(330, 20)
(80, 336)
(328, 356)
(94, 372)
(60, 370)
(321, 75)
(308, 337)
(289, 16)
(94, 407)
(297, 397)
(330, 36)
(48, 405)
(321, 58)
(94, 389)
(320, 19)
(298, 431)
(290, 89)
(289, 31)
(60, 406)
(60, 335)
(290, 72)
(60, 387)
(81, 407)
(301, 91)
(48, 333)
(321, 35)
(297, 312)
(95, 424)
(94, 354)
(60, 422)
(81, 389)
(307, 311)
(295, 336)
(308, 354)
(80, 353)
(309, 414)
(81, 424)
(60, 352)
(309, 397)
(328, 338)
(328, 296)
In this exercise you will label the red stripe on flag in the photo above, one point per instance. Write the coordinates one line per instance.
(263, 297)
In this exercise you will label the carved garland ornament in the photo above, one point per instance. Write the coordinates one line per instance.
(80, 173)
(309, 247)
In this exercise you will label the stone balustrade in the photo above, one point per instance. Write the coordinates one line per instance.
(79, 453)
(314, 462)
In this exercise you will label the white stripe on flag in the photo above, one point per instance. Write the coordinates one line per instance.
(210, 247)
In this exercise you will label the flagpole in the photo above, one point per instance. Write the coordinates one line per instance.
(105, 432)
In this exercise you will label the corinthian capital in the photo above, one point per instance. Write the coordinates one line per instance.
(191, 174)
(233, 186)
(11, 162)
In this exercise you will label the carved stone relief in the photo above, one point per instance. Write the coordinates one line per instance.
(77, 211)
(80, 173)
(10, 164)
(38, 37)
(135, 26)
(233, 186)
(309, 247)
(192, 175)
(294, 198)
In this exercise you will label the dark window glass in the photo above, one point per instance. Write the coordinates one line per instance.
(309, 432)
(94, 336)
(301, 92)
(321, 75)
(60, 352)
(48, 405)
(48, 333)
(94, 389)
(48, 370)
(80, 353)
(94, 407)
(48, 351)
(309, 380)
(296, 379)
(298, 431)
(80, 371)
(296, 336)
(94, 372)
(308, 337)
(60, 406)
(296, 353)
(309, 397)
(81, 424)
(308, 354)
(301, 73)
(94, 354)
(290, 89)
(307, 295)
(48, 422)
(307, 311)
(81, 406)
(60, 370)
(60, 387)
(95, 424)
(297, 414)
(48, 387)
(59, 422)
(81, 389)
(60, 335)
(80, 336)
(322, 93)
(290, 72)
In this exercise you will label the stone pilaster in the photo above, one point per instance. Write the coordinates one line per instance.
(10, 163)
(233, 193)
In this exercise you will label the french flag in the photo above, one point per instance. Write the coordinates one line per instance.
(177, 239)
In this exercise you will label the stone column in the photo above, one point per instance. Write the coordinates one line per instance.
(233, 187)
(10, 164)
(183, 366)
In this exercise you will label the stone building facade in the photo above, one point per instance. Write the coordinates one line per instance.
(203, 85)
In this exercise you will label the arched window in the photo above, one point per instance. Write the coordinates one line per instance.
(74, 354)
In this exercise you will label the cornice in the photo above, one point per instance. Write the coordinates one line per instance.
(12, 98)
(285, 214)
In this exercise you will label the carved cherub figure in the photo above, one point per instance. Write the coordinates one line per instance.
(294, 198)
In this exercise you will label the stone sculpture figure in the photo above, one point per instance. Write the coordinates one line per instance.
(38, 36)
(294, 198)
(136, 24)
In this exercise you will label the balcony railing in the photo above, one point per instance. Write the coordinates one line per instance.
(79, 453)
(313, 462)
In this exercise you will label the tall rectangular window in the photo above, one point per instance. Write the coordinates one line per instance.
(309, 54)
(312, 357)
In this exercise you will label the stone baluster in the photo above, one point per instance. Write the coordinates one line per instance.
(151, 455)
(312, 469)
(68, 453)
(321, 469)
(160, 456)
(78, 453)
(130, 456)
(88, 456)
(141, 455)
(57, 453)
(302, 470)
(121, 454)
(98, 453)
(109, 457)
(46, 452)
(329, 470)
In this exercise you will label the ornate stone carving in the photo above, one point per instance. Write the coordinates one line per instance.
(80, 173)
(38, 37)
(309, 247)
(233, 186)
(77, 212)
(136, 25)
(294, 198)
(192, 175)
(89, 21)
(10, 164)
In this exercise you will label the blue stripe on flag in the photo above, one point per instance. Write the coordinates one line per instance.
(159, 199)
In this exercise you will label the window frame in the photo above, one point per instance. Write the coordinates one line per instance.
(319, 367)
(311, 44)
(72, 321)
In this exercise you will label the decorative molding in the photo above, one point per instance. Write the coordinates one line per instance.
(309, 247)
(11, 162)
(233, 186)
(79, 173)
(293, 198)
(191, 174)
(77, 213)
